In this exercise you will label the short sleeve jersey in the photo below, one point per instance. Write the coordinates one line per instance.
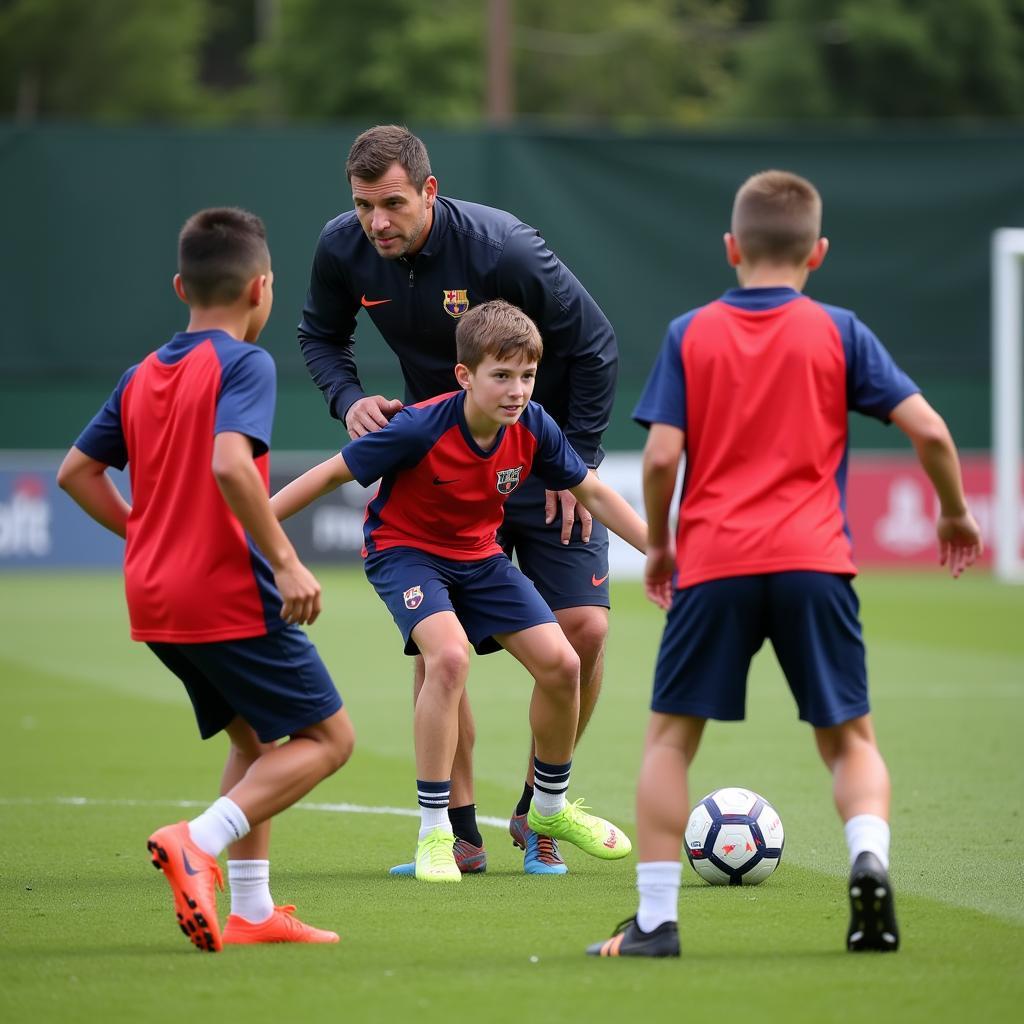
(762, 381)
(439, 491)
(192, 574)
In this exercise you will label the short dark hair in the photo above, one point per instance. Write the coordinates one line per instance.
(219, 251)
(776, 217)
(379, 147)
(498, 329)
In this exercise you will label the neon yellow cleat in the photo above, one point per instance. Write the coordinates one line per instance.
(435, 858)
(585, 831)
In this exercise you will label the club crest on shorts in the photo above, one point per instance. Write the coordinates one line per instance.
(413, 598)
(508, 479)
(456, 301)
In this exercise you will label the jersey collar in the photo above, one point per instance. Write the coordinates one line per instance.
(755, 299)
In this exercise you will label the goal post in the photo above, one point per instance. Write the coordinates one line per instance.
(1007, 367)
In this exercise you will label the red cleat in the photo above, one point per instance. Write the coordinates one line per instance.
(281, 926)
(192, 875)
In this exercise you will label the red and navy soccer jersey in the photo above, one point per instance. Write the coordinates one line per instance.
(761, 381)
(192, 574)
(439, 491)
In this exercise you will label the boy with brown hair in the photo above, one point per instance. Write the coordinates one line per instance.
(755, 389)
(213, 585)
(446, 467)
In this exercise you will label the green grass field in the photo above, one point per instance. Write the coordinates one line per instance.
(100, 748)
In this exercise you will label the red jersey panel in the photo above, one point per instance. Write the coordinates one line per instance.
(192, 574)
(439, 491)
(761, 381)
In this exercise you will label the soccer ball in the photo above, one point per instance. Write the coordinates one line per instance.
(734, 837)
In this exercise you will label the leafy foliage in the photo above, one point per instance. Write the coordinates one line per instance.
(628, 63)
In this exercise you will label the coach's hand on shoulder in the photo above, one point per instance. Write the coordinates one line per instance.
(960, 541)
(370, 414)
(300, 591)
(661, 565)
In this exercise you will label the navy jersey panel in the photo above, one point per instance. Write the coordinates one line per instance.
(473, 254)
(277, 683)
(713, 629)
(875, 385)
(489, 597)
(248, 392)
(440, 492)
(663, 399)
(103, 437)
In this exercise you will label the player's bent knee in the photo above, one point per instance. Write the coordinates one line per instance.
(587, 633)
(560, 673)
(448, 667)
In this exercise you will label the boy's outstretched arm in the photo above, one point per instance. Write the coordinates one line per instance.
(314, 483)
(86, 480)
(662, 453)
(959, 537)
(609, 507)
(242, 486)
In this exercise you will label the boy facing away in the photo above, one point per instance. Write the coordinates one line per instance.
(213, 585)
(755, 388)
(446, 467)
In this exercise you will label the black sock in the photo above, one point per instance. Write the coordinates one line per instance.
(464, 826)
(524, 801)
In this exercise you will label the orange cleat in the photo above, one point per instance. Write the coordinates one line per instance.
(281, 926)
(192, 874)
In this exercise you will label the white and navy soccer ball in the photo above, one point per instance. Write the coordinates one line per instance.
(734, 837)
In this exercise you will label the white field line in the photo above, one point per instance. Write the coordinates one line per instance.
(85, 801)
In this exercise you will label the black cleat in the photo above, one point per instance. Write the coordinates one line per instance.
(628, 940)
(872, 910)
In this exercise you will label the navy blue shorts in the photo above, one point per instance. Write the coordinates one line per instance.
(489, 597)
(713, 629)
(566, 575)
(276, 682)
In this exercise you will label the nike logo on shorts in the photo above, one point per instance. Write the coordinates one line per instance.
(438, 482)
(597, 582)
(367, 303)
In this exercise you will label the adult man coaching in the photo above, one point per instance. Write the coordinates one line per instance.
(416, 262)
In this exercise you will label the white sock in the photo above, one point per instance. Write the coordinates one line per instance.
(434, 817)
(658, 884)
(550, 784)
(221, 824)
(249, 882)
(868, 832)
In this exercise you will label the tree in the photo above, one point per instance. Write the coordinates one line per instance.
(882, 59)
(376, 60)
(115, 60)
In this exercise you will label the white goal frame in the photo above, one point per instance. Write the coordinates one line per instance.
(1007, 347)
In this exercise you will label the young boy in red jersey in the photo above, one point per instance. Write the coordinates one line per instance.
(213, 585)
(755, 389)
(446, 467)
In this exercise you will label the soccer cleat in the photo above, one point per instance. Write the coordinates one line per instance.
(585, 831)
(435, 858)
(472, 860)
(192, 874)
(541, 852)
(872, 910)
(281, 926)
(628, 940)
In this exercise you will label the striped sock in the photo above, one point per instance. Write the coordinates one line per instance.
(433, 800)
(550, 784)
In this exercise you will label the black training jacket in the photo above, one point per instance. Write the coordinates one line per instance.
(414, 302)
